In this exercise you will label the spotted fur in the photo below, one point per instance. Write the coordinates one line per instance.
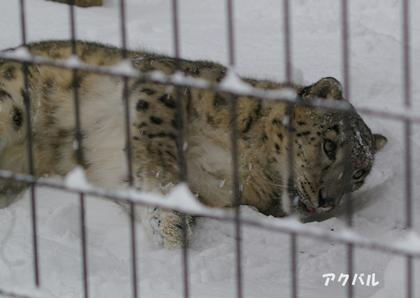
(322, 142)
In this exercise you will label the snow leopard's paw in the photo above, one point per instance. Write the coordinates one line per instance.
(166, 229)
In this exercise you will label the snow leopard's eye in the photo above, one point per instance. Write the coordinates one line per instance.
(357, 175)
(330, 148)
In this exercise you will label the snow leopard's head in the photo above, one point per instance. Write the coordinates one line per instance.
(333, 149)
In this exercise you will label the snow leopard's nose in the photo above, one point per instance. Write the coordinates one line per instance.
(324, 201)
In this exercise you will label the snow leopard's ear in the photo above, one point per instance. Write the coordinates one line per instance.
(328, 88)
(379, 142)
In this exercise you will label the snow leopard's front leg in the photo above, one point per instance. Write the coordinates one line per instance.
(167, 228)
(156, 160)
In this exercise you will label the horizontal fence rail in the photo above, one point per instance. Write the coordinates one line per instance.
(285, 96)
(287, 226)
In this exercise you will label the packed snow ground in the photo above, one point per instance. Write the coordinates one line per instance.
(376, 82)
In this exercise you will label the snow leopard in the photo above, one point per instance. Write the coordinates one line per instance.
(293, 158)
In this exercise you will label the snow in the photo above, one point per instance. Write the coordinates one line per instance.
(376, 82)
(74, 61)
(233, 83)
(125, 67)
(20, 53)
(77, 179)
(179, 198)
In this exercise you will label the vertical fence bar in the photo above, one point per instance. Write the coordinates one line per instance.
(345, 48)
(346, 84)
(292, 195)
(236, 194)
(79, 154)
(29, 137)
(407, 134)
(293, 249)
(287, 44)
(407, 103)
(231, 36)
(179, 107)
(235, 161)
(290, 190)
(133, 250)
(179, 122)
(407, 128)
(129, 151)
